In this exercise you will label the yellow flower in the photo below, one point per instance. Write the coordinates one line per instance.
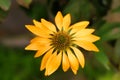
(59, 44)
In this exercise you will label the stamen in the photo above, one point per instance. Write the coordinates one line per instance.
(61, 40)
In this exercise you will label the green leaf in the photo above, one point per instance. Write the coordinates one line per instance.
(24, 3)
(109, 31)
(79, 9)
(101, 56)
(117, 51)
(5, 4)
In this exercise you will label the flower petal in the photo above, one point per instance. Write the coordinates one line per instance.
(80, 25)
(66, 21)
(73, 61)
(59, 20)
(80, 56)
(49, 25)
(42, 50)
(41, 40)
(37, 23)
(37, 31)
(45, 59)
(48, 64)
(83, 32)
(37, 43)
(53, 63)
(87, 45)
(34, 46)
(90, 38)
(65, 62)
(42, 27)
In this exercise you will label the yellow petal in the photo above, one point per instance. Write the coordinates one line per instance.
(45, 59)
(65, 62)
(80, 25)
(42, 27)
(37, 24)
(59, 20)
(37, 43)
(41, 40)
(49, 25)
(83, 32)
(49, 63)
(73, 61)
(42, 50)
(37, 31)
(87, 45)
(66, 21)
(80, 56)
(53, 63)
(90, 38)
(34, 46)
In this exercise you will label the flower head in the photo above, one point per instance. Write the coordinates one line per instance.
(59, 43)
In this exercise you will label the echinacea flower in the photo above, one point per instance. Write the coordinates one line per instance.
(59, 43)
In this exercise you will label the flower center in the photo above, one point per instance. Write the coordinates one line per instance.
(61, 40)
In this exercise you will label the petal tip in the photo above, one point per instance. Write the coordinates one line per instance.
(82, 66)
(42, 19)
(75, 72)
(29, 26)
(59, 12)
(26, 48)
(35, 56)
(98, 38)
(26, 26)
(41, 68)
(97, 50)
(34, 21)
(87, 22)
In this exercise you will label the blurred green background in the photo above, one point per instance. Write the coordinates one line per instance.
(18, 64)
